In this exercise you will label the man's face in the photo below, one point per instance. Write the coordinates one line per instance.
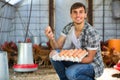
(78, 15)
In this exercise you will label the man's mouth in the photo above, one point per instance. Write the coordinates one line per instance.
(78, 19)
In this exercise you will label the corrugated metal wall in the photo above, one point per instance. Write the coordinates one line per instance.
(14, 28)
(38, 21)
(111, 26)
(7, 13)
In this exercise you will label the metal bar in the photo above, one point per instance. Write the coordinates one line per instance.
(103, 20)
(28, 21)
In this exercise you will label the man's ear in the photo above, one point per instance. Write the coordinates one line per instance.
(85, 15)
(70, 15)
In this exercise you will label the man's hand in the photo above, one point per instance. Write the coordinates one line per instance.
(49, 33)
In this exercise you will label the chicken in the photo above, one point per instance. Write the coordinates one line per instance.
(11, 49)
(42, 53)
(110, 56)
(115, 56)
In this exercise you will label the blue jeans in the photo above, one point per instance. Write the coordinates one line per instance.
(73, 71)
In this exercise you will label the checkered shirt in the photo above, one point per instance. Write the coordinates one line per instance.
(89, 39)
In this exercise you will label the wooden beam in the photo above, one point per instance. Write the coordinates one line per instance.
(90, 11)
(51, 14)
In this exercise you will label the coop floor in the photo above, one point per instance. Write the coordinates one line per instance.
(49, 74)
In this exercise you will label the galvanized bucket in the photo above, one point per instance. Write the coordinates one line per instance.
(25, 54)
(4, 73)
(36, 40)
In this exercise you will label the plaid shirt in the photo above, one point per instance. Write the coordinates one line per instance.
(89, 39)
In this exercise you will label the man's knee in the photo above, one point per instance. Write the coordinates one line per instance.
(70, 74)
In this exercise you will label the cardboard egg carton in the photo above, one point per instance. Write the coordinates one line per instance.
(74, 55)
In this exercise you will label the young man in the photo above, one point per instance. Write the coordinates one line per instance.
(78, 34)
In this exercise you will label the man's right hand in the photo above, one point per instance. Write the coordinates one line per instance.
(49, 33)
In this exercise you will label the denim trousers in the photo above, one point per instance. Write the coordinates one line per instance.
(67, 70)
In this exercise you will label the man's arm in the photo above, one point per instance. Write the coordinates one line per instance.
(56, 44)
(90, 57)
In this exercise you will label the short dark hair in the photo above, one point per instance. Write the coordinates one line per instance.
(77, 5)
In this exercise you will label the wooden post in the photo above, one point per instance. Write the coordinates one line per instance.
(90, 11)
(51, 14)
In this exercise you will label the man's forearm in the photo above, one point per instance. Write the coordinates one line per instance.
(54, 44)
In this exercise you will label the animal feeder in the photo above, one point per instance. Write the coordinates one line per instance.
(4, 72)
(25, 58)
(117, 66)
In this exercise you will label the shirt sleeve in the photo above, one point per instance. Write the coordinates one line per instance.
(93, 40)
(66, 29)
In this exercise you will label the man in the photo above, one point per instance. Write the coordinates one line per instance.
(75, 35)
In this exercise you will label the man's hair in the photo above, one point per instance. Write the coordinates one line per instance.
(77, 5)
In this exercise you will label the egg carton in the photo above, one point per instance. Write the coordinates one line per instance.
(56, 57)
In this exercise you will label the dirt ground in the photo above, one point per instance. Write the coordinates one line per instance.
(41, 74)
(49, 74)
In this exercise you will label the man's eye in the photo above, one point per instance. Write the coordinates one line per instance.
(74, 12)
(81, 12)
